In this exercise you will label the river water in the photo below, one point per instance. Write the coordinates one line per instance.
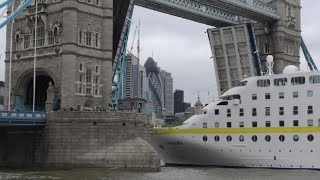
(167, 173)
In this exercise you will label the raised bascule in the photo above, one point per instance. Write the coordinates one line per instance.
(80, 47)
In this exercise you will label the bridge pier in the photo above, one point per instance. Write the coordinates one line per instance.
(82, 139)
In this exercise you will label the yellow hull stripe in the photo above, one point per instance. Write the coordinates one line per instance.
(266, 130)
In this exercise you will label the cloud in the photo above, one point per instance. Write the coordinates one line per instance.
(181, 47)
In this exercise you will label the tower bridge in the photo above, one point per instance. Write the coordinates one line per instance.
(81, 49)
(278, 31)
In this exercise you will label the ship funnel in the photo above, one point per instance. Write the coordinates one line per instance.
(270, 64)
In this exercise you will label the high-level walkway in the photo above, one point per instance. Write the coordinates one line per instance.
(22, 119)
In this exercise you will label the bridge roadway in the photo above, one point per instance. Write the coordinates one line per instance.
(22, 119)
(217, 13)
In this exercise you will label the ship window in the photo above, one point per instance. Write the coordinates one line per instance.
(281, 95)
(310, 110)
(295, 123)
(267, 111)
(229, 138)
(310, 137)
(205, 138)
(310, 93)
(298, 80)
(268, 138)
(281, 123)
(268, 123)
(280, 82)
(222, 103)
(241, 124)
(267, 96)
(243, 83)
(254, 111)
(216, 111)
(241, 113)
(254, 138)
(295, 94)
(295, 110)
(228, 112)
(295, 138)
(205, 125)
(263, 82)
(318, 122)
(314, 79)
(281, 111)
(310, 122)
(216, 124)
(282, 138)
(254, 96)
(254, 124)
(217, 138)
(228, 124)
(241, 138)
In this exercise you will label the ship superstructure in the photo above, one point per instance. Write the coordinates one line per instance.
(266, 121)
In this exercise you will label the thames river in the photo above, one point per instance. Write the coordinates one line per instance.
(167, 173)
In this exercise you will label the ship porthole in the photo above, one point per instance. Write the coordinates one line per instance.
(254, 138)
(229, 138)
(241, 138)
(281, 138)
(268, 138)
(217, 138)
(310, 137)
(205, 138)
(295, 138)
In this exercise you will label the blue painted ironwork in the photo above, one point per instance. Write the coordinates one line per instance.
(308, 56)
(16, 118)
(192, 10)
(5, 3)
(254, 48)
(120, 59)
(215, 12)
(14, 14)
(258, 6)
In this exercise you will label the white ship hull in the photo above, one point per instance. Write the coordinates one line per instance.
(190, 149)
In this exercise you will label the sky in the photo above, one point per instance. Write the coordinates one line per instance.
(182, 48)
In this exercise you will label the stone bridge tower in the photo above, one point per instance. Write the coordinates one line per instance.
(74, 53)
(283, 38)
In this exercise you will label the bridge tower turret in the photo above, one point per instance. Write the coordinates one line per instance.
(281, 39)
(74, 53)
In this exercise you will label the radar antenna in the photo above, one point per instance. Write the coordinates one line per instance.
(270, 64)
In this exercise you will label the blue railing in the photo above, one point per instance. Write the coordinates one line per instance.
(16, 118)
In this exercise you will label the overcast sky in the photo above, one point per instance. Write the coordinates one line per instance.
(181, 47)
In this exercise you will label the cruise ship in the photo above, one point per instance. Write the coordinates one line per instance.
(270, 121)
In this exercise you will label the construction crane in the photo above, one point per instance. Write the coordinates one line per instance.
(309, 59)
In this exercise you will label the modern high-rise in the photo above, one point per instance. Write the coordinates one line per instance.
(155, 86)
(131, 77)
(232, 55)
(167, 86)
(143, 84)
(178, 101)
(1, 93)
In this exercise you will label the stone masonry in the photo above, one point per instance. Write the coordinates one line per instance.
(74, 51)
(87, 139)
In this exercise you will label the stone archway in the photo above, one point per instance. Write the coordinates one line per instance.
(24, 90)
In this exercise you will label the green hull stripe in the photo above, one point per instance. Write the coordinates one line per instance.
(266, 130)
